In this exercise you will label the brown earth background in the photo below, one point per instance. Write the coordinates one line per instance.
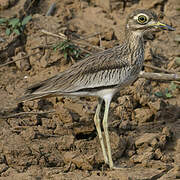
(63, 144)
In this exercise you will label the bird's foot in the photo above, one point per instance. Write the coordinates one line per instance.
(116, 168)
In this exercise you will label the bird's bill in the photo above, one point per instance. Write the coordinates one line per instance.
(163, 26)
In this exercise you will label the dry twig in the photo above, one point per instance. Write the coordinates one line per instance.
(159, 76)
(89, 36)
(29, 6)
(159, 69)
(5, 64)
(77, 42)
(25, 113)
(51, 9)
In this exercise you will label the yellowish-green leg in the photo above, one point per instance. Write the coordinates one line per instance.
(98, 127)
(105, 126)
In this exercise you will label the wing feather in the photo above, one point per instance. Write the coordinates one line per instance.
(99, 70)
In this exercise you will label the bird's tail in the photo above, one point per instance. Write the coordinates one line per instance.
(36, 91)
(29, 97)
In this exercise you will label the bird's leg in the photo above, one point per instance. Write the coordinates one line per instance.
(105, 126)
(98, 127)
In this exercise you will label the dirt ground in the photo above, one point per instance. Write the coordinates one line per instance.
(55, 138)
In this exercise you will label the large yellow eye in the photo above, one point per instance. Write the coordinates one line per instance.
(142, 19)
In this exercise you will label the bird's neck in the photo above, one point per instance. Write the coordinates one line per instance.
(135, 43)
(135, 40)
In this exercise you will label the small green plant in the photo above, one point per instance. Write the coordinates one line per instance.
(15, 24)
(167, 92)
(68, 49)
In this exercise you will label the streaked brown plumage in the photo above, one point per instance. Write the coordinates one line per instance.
(103, 74)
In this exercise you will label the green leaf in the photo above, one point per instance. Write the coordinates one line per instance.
(13, 22)
(8, 31)
(74, 51)
(21, 29)
(2, 20)
(166, 91)
(16, 31)
(168, 95)
(26, 20)
(55, 47)
(66, 46)
(87, 55)
(158, 94)
(177, 61)
(65, 55)
(19, 24)
(173, 86)
(77, 55)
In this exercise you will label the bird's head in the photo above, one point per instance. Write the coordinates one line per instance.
(141, 21)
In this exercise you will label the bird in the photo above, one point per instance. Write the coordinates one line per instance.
(104, 73)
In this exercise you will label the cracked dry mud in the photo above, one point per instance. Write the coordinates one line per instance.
(144, 129)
